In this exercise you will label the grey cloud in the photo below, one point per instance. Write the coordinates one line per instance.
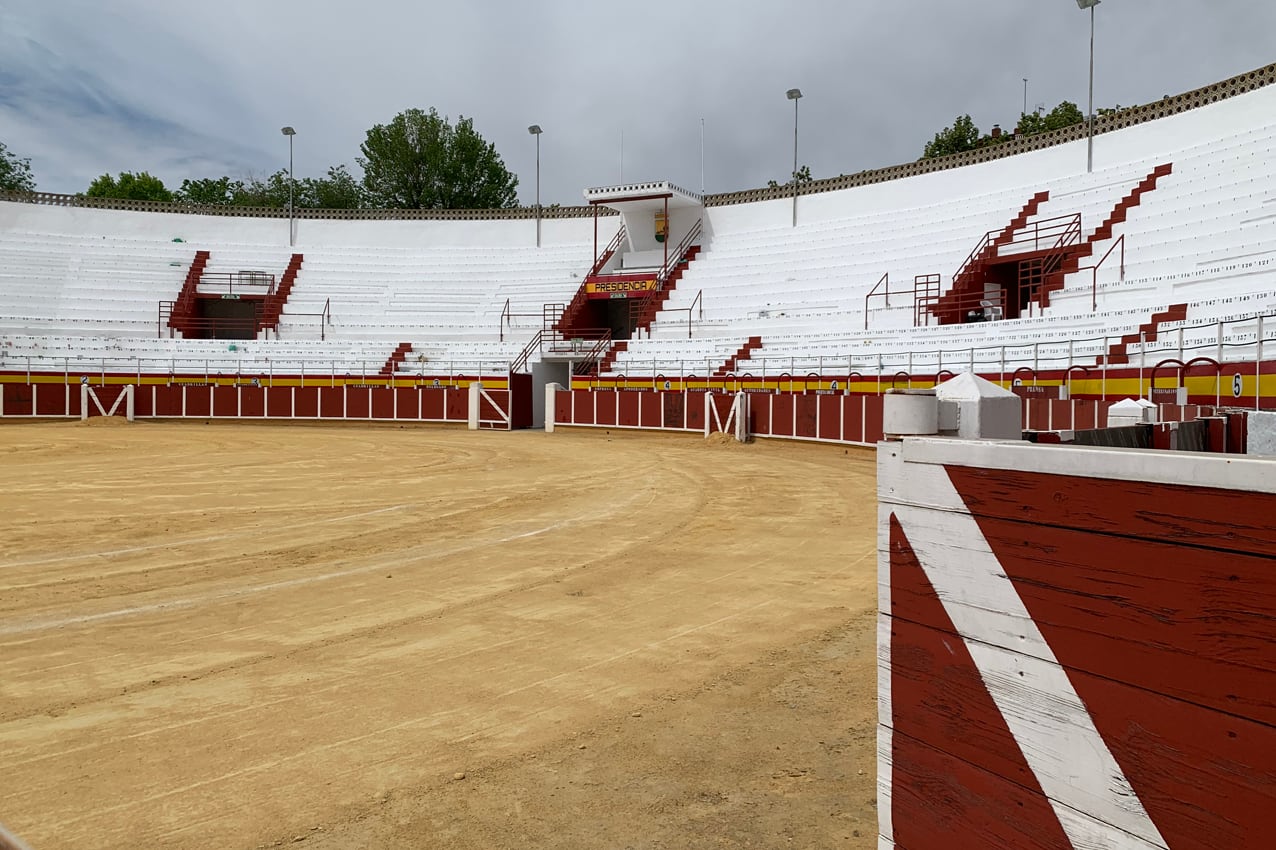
(184, 87)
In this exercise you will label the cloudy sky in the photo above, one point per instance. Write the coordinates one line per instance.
(200, 89)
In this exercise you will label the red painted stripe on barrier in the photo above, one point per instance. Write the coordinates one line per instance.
(1164, 617)
(1220, 519)
(953, 757)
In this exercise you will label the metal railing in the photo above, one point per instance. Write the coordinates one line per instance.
(638, 307)
(607, 253)
(507, 315)
(873, 293)
(236, 283)
(697, 302)
(1230, 344)
(1094, 271)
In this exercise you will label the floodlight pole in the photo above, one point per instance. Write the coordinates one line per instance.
(535, 130)
(290, 132)
(1089, 156)
(795, 95)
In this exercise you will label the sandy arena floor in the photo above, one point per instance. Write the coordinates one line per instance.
(378, 637)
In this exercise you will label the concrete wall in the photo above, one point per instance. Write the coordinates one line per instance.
(1077, 648)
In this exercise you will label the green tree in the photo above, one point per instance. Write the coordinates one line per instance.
(209, 192)
(338, 191)
(271, 192)
(420, 161)
(15, 172)
(802, 176)
(142, 186)
(1065, 114)
(963, 135)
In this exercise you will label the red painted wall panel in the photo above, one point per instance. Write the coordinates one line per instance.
(563, 406)
(629, 408)
(199, 401)
(873, 418)
(830, 417)
(50, 399)
(456, 405)
(782, 415)
(760, 414)
(583, 407)
(279, 402)
(332, 402)
(520, 384)
(674, 410)
(252, 401)
(432, 403)
(853, 423)
(694, 406)
(651, 410)
(381, 402)
(407, 402)
(806, 424)
(225, 401)
(358, 402)
(605, 401)
(307, 401)
(18, 399)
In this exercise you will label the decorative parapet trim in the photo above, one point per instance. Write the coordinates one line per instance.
(628, 190)
(1238, 85)
(53, 199)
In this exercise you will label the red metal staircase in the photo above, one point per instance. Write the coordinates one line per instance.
(399, 355)
(182, 312)
(274, 305)
(1118, 352)
(571, 314)
(643, 311)
(968, 283)
(1104, 231)
(605, 364)
(742, 353)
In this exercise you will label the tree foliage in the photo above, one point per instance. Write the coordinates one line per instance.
(963, 135)
(801, 177)
(15, 172)
(338, 190)
(420, 161)
(1064, 115)
(142, 186)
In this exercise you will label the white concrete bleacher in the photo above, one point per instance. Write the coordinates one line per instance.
(87, 283)
(86, 279)
(1207, 232)
(164, 356)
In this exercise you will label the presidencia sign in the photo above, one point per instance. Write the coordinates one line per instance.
(619, 288)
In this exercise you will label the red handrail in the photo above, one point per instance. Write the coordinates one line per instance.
(1094, 271)
(873, 293)
(612, 247)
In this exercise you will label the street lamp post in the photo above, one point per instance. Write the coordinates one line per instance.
(535, 130)
(795, 95)
(1089, 155)
(290, 132)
